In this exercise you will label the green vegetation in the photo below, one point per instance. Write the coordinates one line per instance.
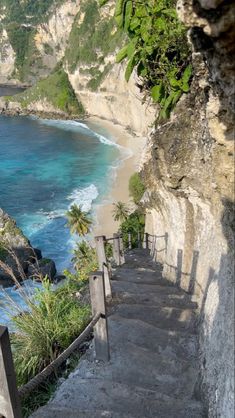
(120, 211)
(136, 188)
(20, 19)
(92, 38)
(78, 221)
(84, 261)
(157, 48)
(134, 224)
(56, 89)
(54, 320)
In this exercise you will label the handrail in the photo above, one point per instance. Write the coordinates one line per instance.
(44, 374)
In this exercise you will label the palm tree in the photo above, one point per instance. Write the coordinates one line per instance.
(120, 212)
(78, 221)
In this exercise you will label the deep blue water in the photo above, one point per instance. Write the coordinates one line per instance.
(45, 166)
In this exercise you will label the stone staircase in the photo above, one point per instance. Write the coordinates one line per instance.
(153, 371)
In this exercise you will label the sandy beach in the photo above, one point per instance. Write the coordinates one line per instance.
(104, 223)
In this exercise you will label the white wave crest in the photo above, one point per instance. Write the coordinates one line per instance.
(84, 197)
(72, 125)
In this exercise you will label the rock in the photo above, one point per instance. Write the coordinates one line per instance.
(44, 267)
(38, 253)
(59, 278)
(13, 244)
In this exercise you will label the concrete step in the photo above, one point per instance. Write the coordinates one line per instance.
(141, 276)
(55, 412)
(180, 301)
(139, 288)
(165, 317)
(96, 396)
(175, 344)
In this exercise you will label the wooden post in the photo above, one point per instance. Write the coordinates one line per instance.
(121, 247)
(129, 241)
(146, 240)
(97, 292)
(103, 265)
(9, 398)
(116, 249)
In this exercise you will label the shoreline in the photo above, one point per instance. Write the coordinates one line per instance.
(104, 222)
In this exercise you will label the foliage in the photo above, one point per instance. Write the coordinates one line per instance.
(54, 320)
(120, 211)
(78, 221)
(56, 89)
(136, 188)
(133, 224)
(91, 39)
(84, 258)
(157, 48)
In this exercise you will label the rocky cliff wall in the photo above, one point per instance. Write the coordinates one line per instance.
(189, 171)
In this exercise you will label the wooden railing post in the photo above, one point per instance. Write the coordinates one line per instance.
(9, 398)
(103, 265)
(116, 249)
(146, 240)
(121, 246)
(98, 303)
(129, 241)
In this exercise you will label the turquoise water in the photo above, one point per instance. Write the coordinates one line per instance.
(45, 167)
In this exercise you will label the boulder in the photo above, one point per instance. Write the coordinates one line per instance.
(44, 267)
(13, 241)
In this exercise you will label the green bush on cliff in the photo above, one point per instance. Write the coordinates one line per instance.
(54, 320)
(55, 89)
(136, 188)
(134, 224)
(92, 37)
(157, 49)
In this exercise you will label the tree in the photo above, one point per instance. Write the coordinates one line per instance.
(78, 221)
(120, 212)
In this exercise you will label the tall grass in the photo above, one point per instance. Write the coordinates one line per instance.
(54, 320)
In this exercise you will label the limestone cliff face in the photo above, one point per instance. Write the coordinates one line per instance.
(189, 171)
(7, 58)
(115, 99)
(47, 46)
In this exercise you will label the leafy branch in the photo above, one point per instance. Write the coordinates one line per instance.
(157, 49)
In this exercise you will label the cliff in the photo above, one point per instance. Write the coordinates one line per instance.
(189, 173)
(64, 37)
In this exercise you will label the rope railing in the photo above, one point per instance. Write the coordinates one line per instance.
(10, 395)
(55, 364)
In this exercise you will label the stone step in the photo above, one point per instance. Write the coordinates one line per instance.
(142, 276)
(157, 299)
(165, 317)
(141, 368)
(54, 412)
(139, 288)
(97, 396)
(176, 344)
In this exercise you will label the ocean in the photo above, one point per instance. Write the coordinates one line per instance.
(45, 167)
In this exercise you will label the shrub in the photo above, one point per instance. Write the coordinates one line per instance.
(54, 320)
(134, 224)
(136, 188)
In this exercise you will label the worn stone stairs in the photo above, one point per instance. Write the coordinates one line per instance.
(153, 371)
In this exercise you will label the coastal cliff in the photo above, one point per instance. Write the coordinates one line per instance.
(64, 44)
(189, 174)
(188, 166)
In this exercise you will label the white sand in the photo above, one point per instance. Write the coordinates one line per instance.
(105, 224)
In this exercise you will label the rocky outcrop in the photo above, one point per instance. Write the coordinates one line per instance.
(189, 172)
(7, 58)
(15, 250)
(115, 99)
